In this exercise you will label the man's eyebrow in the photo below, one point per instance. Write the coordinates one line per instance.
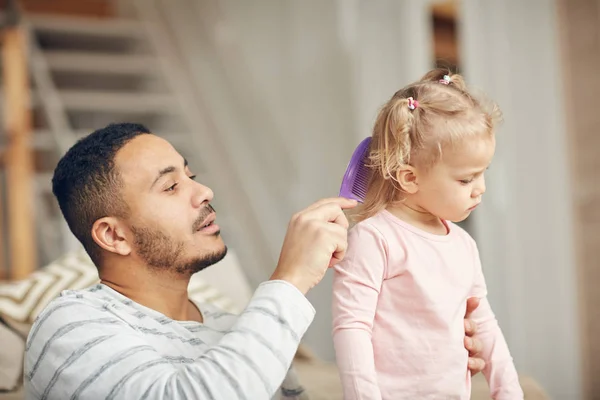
(162, 173)
(168, 170)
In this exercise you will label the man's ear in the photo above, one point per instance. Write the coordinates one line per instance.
(109, 233)
(406, 176)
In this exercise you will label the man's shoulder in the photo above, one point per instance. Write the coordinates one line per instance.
(70, 309)
(88, 299)
(73, 331)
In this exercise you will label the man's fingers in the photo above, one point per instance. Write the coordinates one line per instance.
(343, 202)
(472, 304)
(473, 345)
(329, 212)
(336, 259)
(476, 365)
(470, 327)
(337, 256)
(339, 237)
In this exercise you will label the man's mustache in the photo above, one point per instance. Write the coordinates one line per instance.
(206, 211)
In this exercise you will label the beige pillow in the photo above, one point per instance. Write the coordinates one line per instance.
(23, 300)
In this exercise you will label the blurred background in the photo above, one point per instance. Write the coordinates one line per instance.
(267, 100)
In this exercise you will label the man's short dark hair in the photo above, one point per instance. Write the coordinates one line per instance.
(86, 184)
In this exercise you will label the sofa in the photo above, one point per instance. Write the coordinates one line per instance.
(223, 285)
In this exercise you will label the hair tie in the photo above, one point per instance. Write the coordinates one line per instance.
(412, 103)
(445, 80)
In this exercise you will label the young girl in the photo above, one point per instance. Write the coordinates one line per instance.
(399, 295)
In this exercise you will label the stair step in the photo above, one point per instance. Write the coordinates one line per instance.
(118, 102)
(99, 63)
(109, 28)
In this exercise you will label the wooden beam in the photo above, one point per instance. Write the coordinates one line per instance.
(18, 159)
(445, 9)
(445, 41)
(3, 270)
(445, 19)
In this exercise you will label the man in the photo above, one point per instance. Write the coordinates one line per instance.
(132, 201)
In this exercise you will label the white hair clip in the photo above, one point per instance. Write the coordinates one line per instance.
(412, 103)
(445, 80)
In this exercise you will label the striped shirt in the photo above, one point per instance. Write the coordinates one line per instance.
(98, 344)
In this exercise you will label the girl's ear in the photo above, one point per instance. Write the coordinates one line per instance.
(406, 176)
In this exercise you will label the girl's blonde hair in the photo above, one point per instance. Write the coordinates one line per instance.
(445, 114)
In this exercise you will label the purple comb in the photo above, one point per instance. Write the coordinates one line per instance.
(356, 178)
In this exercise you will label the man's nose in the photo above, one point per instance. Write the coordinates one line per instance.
(202, 194)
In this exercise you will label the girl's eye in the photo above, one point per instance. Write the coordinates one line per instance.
(466, 181)
(171, 188)
(193, 177)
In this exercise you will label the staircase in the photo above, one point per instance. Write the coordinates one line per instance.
(88, 72)
(85, 74)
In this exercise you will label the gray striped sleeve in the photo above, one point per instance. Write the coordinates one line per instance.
(82, 351)
(59, 334)
(107, 366)
(72, 359)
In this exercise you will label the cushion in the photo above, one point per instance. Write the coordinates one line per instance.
(23, 300)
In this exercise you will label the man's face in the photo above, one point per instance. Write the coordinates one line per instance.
(171, 222)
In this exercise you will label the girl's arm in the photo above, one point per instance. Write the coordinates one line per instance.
(356, 286)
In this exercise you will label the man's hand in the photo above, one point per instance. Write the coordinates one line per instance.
(472, 344)
(315, 240)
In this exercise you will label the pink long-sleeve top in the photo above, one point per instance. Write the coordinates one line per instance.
(399, 300)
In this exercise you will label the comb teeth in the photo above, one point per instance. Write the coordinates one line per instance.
(361, 181)
(357, 176)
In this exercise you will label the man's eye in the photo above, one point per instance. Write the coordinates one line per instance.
(466, 181)
(193, 177)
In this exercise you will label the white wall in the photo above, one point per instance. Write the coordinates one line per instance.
(525, 225)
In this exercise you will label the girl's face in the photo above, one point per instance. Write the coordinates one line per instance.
(453, 187)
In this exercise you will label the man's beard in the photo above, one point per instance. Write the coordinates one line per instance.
(161, 252)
